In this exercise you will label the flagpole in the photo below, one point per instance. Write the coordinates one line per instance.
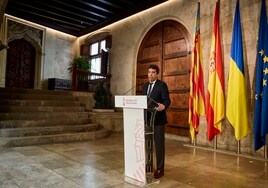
(265, 149)
(238, 147)
(215, 142)
(194, 141)
(265, 152)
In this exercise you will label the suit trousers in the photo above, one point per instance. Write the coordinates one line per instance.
(159, 140)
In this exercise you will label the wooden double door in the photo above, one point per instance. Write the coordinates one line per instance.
(167, 45)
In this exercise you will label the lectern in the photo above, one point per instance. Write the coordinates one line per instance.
(138, 116)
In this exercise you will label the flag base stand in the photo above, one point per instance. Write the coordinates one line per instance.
(225, 152)
(149, 181)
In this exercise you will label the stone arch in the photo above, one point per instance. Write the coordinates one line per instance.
(168, 45)
(34, 36)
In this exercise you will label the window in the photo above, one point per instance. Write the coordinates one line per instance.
(96, 65)
(96, 50)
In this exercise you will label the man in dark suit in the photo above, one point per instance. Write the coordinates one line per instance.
(158, 91)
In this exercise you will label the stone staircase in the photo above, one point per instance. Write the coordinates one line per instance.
(32, 117)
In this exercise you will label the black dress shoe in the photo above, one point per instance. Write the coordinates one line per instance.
(158, 174)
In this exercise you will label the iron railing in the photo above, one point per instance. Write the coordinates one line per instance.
(87, 81)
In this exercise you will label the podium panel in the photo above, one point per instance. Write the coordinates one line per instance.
(138, 139)
(134, 144)
(137, 101)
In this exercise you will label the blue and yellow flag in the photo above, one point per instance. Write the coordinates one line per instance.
(236, 106)
(261, 93)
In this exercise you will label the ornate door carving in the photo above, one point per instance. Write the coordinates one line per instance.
(20, 67)
(167, 44)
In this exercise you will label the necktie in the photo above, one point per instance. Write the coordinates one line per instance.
(150, 89)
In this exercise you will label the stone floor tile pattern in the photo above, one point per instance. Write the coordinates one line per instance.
(100, 164)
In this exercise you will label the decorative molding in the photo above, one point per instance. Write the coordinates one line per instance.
(17, 31)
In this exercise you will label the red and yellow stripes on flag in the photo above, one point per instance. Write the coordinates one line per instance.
(215, 107)
(197, 95)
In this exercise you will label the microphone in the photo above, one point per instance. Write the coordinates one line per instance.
(133, 88)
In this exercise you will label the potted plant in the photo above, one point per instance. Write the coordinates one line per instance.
(81, 63)
(102, 97)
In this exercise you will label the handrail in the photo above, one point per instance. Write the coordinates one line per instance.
(83, 80)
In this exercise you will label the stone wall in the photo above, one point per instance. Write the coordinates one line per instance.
(110, 120)
(128, 34)
(57, 50)
(85, 99)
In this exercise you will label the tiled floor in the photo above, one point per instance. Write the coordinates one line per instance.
(101, 164)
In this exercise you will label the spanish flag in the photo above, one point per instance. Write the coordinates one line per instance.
(215, 107)
(197, 95)
(236, 106)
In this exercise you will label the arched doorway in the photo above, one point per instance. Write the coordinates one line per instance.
(167, 44)
(24, 57)
(20, 67)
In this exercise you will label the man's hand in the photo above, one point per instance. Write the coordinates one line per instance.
(160, 107)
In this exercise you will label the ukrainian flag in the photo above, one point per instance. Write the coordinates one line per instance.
(236, 106)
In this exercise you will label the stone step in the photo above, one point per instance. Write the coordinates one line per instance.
(51, 130)
(42, 115)
(35, 91)
(42, 122)
(53, 139)
(33, 117)
(14, 102)
(6, 108)
(33, 96)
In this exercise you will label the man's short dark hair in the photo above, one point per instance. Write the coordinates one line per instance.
(155, 67)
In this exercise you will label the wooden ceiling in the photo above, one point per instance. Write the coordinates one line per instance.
(76, 17)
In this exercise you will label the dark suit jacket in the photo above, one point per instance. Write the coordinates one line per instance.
(160, 94)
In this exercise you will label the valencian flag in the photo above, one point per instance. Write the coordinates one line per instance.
(261, 95)
(197, 95)
(236, 106)
(215, 107)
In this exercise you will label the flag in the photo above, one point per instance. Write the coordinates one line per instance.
(197, 95)
(215, 107)
(236, 105)
(261, 92)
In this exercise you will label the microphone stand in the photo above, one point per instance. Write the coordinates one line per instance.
(129, 91)
(133, 88)
(152, 104)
